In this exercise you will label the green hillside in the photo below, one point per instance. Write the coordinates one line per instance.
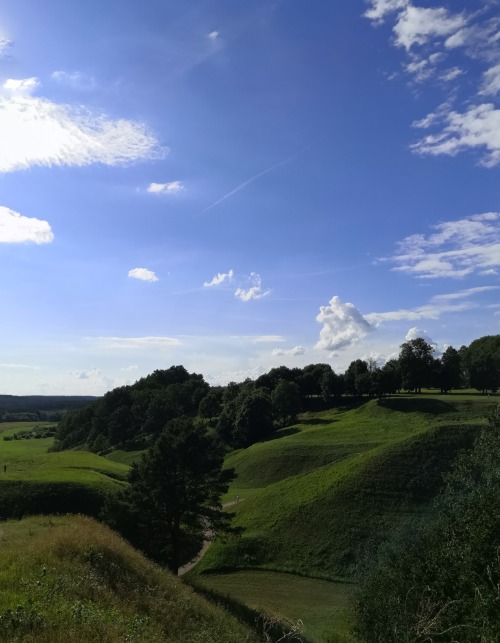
(321, 498)
(65, 579)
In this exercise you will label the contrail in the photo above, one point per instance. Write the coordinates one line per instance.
(254, 178)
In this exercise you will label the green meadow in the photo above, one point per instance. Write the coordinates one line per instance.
(323, 497)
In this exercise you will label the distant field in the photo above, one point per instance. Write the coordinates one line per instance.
(321, 497)
(30, 461)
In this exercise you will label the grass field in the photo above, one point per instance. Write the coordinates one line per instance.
(30, 461)
(321, 497)
(69, 579)
(321, 608)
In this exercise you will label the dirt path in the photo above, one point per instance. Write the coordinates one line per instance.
(206, 544)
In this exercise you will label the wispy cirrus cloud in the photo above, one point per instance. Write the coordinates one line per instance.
(166, 188)
(5, 46)
(74, 79)
(39, 132)
(436, 307)
(135, 343)
(434, 40)
(143, 274)
(454, 249)
(16, 228)
(289, 352)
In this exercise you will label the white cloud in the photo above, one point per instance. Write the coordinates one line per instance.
(219, 278)
(417, 25)
(75, 79)
(451, 74)
(14, 228)
(166, 188)
(143, 274)
(28, 367)
(213, 35)
(22, 86)
(491, 81)
(39, 132)
(457, 248)
(477, 128)
(156, 343)
(417, 333)
(423, 68)
(254, 291)
(129, 369)
(379, 9)
(343, 325)
(293, 352)
(5, 45)
(223, 378)
(258, 339)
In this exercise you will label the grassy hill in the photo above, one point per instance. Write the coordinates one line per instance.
(65, 579)
(321, 498)
(36, 481)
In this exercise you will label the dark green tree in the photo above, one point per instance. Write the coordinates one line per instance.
(173, 501)
(449, 370)
(416, 364)
(286, 402)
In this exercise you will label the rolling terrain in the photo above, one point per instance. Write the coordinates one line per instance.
(324, 496)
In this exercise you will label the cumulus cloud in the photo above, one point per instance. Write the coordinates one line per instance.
(213, 35)
(15, 228)
(219, 279)
(418, 333)
(254, 291)
(143, 274)
(75, 79)
(39, 132)
(292, 352)
(22, 86)
(165, 188)
(129, 369)
(343, 325)
(455, 249)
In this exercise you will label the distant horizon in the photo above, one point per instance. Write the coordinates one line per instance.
(234, 187)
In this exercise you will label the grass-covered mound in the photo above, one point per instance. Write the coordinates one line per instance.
(36, 481)
(320, 500)
(66, 579)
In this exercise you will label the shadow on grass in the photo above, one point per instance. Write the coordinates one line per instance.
(417, 405)
(317, 421)
(281, 433)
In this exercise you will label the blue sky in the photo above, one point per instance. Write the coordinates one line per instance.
(233, 186)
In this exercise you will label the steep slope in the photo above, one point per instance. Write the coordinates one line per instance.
(71, 579)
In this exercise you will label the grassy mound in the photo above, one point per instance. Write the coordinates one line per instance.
(36, 481)
(71, 579)
(320, 501)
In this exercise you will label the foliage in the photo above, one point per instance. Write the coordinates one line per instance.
(173, 500)
(416, 364)
(445, 586)
(481, 361)
(285, 400)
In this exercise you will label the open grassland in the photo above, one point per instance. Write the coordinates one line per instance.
(30, 460)
(320, 608)
(323, 496)
(36, 481)
(65, 579)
